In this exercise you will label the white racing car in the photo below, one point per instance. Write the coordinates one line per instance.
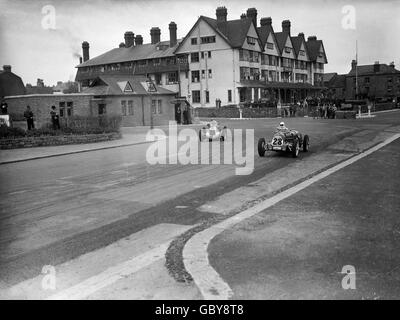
(212, 131)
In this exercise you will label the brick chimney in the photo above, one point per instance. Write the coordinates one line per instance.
(155, 34)
(252, 14)
(353, 64)
(286, 26)
(266, 21)
(312, 38)
(7, 68)
(377, 66)
(222, 14)
(138, 40)
(172, 34)
(129, 37)
(122, 45)
(243, 16)
(301, 34)
(85, 51)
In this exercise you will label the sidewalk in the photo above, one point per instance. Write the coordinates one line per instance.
(130, 136)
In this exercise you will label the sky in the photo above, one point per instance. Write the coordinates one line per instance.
(39, 44)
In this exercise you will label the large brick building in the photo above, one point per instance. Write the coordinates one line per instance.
(375, 82)
(232, 61)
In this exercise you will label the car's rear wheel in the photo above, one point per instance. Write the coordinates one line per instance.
(306, 143)
(295, 149)
(261, 147)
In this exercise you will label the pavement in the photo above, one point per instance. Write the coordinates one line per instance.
(105, 218)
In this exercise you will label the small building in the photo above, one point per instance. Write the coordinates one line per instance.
(107, 95)
(10, 83)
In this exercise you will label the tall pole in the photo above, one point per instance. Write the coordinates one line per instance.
(356, 70)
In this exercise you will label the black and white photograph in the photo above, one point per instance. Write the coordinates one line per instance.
(186, 151)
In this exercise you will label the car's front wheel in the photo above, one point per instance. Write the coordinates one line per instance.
(295, 149)
(261, 147)
(306, 143)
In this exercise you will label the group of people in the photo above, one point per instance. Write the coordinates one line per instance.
(325, 111)
(29, 116)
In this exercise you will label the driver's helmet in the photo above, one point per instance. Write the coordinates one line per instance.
(282, 125)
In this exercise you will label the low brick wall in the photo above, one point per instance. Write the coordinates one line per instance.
(29, 142)
(345, 114)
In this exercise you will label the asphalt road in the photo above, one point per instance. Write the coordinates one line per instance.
(55, 209)
(297, 248)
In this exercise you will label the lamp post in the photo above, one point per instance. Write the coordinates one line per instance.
(150, 89)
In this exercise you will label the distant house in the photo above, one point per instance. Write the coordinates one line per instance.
(336, 84)
(40, 88)
(10, 83)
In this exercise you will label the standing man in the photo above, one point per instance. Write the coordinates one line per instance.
(4, 108)
(55, 120)
(28, 114)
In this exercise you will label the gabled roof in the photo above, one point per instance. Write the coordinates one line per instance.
(369, 69)
(281, 38)
(139, 52)
(234, 32)
(111, 85)
(313, 49)
(11, 84)
(297, 41)
(328, 76)
(264, 32)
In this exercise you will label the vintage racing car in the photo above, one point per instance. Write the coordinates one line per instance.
(212, 131)
(286, 140)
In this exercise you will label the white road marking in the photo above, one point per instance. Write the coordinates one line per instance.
(195, 255)
(111, 275)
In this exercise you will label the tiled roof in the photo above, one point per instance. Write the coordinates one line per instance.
(11, 84)
(264, 32)
(328, 76)
(297, 41)
(313, 48)
(369, 69)
(109, 85)
(281, 39)
(140, 52)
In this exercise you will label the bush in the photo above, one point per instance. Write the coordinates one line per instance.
(7, 132)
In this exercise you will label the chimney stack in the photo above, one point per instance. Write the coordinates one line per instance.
(222, 14)
(353, 64)
(85, 51)
(129, 37)
(286, 26)
(122, 45)
(301, 34)
(155, 34)
(266, 21)
(377, 66)
(172, 34)
(138, 40)
(80, 60)
(252, 14)
(312, 38)
(243, 16)
(7, 68)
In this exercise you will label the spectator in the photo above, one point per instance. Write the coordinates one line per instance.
(55, 120)
(28, 114)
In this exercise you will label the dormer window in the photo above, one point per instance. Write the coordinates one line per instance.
(270, 45)
(302, 53)
(251, 41)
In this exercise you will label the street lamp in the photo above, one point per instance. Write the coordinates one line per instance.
(150, 89)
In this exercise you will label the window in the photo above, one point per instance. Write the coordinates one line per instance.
(244, 73)
(243, 55)
(251, 41)
(209, 39)
(159, 107)
(70, 105)
(367, 80)
(209, 73)
(196, 96)
(194, 57)
(153, 106)
(158, 78)
(288, 49)
(209, 54)
(130, 107)
(202, 54)
(270, 46)
(123, 107)
(172, 77)
(193, 41)
(196, 76)
(302, 53)
(203, 74)
(142, 62)
(62, 109)
(207, 96)
(229, 95)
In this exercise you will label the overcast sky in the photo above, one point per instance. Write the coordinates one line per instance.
(37, 52)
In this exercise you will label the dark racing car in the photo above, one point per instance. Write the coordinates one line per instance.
(285, 140)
